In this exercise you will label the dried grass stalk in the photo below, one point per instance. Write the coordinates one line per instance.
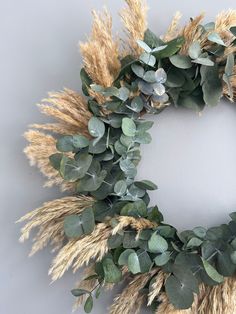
(49, 219)
(134, 17)
(156, 286)
(70, 109)
(224, 21)
(219, 299)
(100, 53)
(191, 33)
(173, 29)
(135, 223)
(226, 90)
(40, 147)
(77, 253)
(128, 301)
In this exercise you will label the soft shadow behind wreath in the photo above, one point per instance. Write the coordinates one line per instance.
(107, 223)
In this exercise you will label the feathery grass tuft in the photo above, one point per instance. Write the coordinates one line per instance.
(134, 17)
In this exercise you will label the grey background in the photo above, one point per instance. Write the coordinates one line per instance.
(191, 158)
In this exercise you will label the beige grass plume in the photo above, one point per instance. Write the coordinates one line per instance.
(128, 302)
(174, 28)
(135, 223)
(100, 53)
(70, 110)
(191, 32)
(134, 17)
(49, 220)
(78, 252)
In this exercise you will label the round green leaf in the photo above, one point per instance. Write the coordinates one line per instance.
(65, 144)
(179, 295)
(138, 70)
(157, 244)
(194, 50)
(73, 226)
(128, 127)
(80, 141)
(162, 259)
(181, 61)
(123, 259)
(112, 274)
(96, 127)
(137, 104)
(120, 187)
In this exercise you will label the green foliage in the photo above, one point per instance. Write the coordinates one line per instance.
(78, 225)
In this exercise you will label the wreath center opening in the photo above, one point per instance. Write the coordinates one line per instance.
(192, 160)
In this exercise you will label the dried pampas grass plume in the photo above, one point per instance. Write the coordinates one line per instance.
(135, 223)
(40, 147)
(129, 302)
(79, 252)
(49, 219)
(173, 29)
(69, 109)
(100, 53)
(191, 33)
(134, 18)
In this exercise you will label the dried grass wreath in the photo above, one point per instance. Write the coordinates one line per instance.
(107, 223)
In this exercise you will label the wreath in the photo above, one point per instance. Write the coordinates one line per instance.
(107, 222)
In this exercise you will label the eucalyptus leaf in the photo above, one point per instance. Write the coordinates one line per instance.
(120, 187)
(194, 50)
(146, 185)
(128, 127)
(123, 259)
(138, 70)
(79, 292)
(233, 30)
(55, 160)
(211, 85)
(229, 65)
(139, 262)
(144, 46)
(157, 244)
(179, 295)
(137, 104)
(162, 258)
(112, 274)
(212, 272)
(181, 61)
(172, 48)
(72, 170)
(204, 61)
(148, 59)
(149, 77)
(88, 306)
(96, 127)
(215, 38)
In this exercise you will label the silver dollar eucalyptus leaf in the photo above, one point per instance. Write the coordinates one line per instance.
(145, 88)
(159, 89)
(161, 76)
(161, 99)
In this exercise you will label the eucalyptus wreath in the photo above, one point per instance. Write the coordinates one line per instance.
(117, 228)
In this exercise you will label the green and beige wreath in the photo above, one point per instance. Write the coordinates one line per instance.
(93, 149)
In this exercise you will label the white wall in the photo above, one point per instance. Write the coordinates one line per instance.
(194, 157)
